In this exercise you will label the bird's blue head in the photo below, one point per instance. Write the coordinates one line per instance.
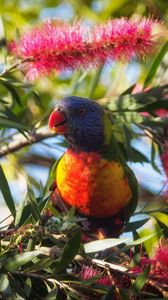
(81, 121)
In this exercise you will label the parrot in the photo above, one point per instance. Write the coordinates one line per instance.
(92, 175)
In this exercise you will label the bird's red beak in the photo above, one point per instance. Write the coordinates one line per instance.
(58, 122)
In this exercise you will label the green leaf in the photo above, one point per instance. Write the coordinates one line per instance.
(17, 288)
(135, 225)
(129, 90)
(4, 122)
(136, 242)
(154, 123)
(12, 90)
(14, 93)
(6, 192)
(94, 82)
(128, 137)
(153, 155)
(136, 102)
(155, 64)
(53, 294)
(124, 294)
(110, 295)
(18, 260)
(152, 107)
(19, 212)
(41, 264)
(140, 280)
(151, 207)
(38, 99)
(33, 204)
(28, 287)
(161, 217)
(31, 244)
(52, 174)
(150, 235)
(70, 214)
(137, 156)
(101, 245)
(53, 210)
(4, 284)
(69, 251)
(25, 215)
(143, 239)
(77, 80)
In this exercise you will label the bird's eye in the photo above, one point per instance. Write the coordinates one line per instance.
(82, 111)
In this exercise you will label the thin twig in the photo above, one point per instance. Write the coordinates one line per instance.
(155, 284)
(14, 66)
(21, 141)
(151, 134)
(50, 278)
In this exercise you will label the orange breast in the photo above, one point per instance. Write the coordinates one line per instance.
(97, 187)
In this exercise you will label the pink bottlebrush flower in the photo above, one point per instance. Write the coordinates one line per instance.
(88, 272)
(159, 270)
(49, 46)
(143, 264)
(120, 281)
(56, 46)
(123, 39)
(158, 263)
(163, 113)
(161, 254)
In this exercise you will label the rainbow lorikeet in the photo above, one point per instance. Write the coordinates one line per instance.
(92, 175)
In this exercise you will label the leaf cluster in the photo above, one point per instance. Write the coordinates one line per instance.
(42, 257)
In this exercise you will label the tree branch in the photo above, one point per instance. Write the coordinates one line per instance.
(20, 142)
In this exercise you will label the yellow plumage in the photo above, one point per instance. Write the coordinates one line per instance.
(97, 187)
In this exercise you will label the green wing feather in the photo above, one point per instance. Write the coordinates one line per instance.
(112, 152)
(130, 208)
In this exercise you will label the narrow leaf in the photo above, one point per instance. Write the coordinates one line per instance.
(19, 260)
(161, 217)
(101, 245)
(4, 284)
(110, 295)
(53, 210)
(153, 155)
(12, 90)
(69, 251)
(4, 122)
(19, 212)
(41, 264)
(6, 192)
(140, 281)
(155, 64)
(94, 82)
(135, 225)
(129, 90)
(53, 294)
(33, 204)
(28, 287)
(70, 214)
(143, 239)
